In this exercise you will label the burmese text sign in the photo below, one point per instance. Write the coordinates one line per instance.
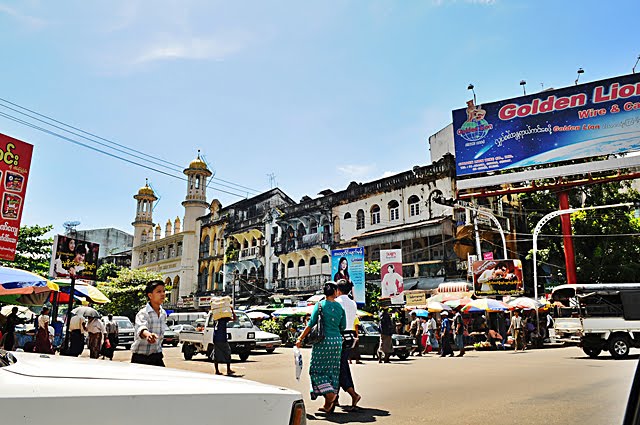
(498, 277)
(74, 257)
(348, 264)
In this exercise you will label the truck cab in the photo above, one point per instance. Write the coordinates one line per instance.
(240, 334)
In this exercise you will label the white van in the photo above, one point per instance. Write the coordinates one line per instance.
(185, 318)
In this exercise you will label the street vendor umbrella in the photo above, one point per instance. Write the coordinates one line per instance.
(525, 303)
(23, 311)
(448, 296)
(420, 312)
(293, 311)
(436, 307)
(23, 287)
(85, 311)
(458, 302)
(485, 304)
(81, 290)
(257, 315)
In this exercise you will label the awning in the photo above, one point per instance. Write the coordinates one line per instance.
(447, 287)
(421, 229)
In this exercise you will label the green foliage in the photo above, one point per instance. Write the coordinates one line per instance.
(33, 252)
(372, 289)
(232, 253)
(106, 271)
(272, 326)
(372, 269)
(126, 291)
(610, 254)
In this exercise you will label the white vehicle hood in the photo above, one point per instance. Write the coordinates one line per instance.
(39, 388)
(261, 335)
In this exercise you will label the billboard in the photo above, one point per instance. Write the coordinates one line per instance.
(348, 264)
(15, 161)
(498, 277)
(582, 121)
(75, 257)
(391, 275)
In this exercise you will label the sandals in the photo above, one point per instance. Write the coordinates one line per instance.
(334, 403)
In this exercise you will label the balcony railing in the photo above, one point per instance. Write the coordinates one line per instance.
(304, 283)
(305, 242)
(249, 253)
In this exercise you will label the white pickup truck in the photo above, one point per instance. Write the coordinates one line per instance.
(240, 333)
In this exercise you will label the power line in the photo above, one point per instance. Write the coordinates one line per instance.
(174, 166)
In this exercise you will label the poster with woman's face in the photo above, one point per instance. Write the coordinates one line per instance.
(391, 281)
(348, 264)
(74, 257)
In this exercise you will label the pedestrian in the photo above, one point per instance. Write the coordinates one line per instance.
(424, 340)
(350, 339)
(458, 324)
(112, 336)
(324, 369)
(432, 328)
(43, 343)
(386, 332)
(221, 348)
(355, 351)
(77, 329)
(96, 331)
(415, 331)
(151, 321)
(494, 339)
(9, 330)
(516, 330)
(445, 338)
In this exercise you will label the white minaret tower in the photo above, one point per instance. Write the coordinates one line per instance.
(143, 225)
(195, 205)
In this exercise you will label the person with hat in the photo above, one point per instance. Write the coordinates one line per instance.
(445, 332)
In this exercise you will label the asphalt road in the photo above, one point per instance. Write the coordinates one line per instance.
(550, 386)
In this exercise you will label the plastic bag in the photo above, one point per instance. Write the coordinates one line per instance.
(297, 358)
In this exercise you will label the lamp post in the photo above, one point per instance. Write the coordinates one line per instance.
(580, 71)
(523, 83)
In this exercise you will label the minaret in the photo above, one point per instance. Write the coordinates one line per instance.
(195, 205)
(144, 220)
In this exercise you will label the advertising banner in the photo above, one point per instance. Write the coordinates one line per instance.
(582, 121)
(415, 299)
(391, 275)
(15, 161)
(71, 256)
(348, 264)
(498, 277)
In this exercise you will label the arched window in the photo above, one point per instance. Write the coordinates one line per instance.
(301, 263)
(204, 247)
(394, 210)
(414, 205)
(313, 227)
(313, 261)
(198, 182)
(375, 214)
(347, 216)
(290, 264)
(325, 259)
(360, 220)
(202, 280)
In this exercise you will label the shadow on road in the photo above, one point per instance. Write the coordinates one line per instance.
(607, 358)
(362, 415)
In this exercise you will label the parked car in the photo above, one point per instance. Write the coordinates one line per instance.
(43, 387)
(369, 340)
(266, 340)
(180, 328)
(171, 337)
(240, 333)
(125, 330)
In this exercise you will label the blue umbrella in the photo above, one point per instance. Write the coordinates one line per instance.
(421, 312)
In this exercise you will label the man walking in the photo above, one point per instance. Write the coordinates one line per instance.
(112, 336)
(445, 335)
(150, 323)
(386, 331)
(10, 329)
(350, 336)
(516, 329)
(415, 330)
(96, 330)
(459, 332)
(432, 326)
(221, 348)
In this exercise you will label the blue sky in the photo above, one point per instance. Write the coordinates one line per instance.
(318, 93)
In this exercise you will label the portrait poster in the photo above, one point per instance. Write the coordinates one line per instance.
(74, 257)
(15, 162)
(348, 264)
(392, 284)
(498, 277)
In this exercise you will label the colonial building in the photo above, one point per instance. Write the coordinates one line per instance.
(174, 254)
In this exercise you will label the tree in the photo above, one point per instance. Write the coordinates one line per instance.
(33, 252)
(106, 271)
(126, 291)
(372, 285)
(606, 241)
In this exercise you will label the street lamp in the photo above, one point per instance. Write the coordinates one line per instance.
(523, 83)
(580, 71)
(633, 70)
(470, 87)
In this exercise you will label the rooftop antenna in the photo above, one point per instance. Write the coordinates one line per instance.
(70, 227)
(272, 180)
(470, 87)
(634, 66)
(213, 172)
(580, 71)
(156, 193)
(523, 83)
(542, 86)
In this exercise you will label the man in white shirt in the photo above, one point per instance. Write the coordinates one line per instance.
(432, 326)
(350, 339)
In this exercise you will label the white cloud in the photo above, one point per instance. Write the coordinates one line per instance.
(355, 170)
(195, 48)
(29, 21)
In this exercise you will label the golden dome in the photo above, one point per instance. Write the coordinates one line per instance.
(198, 164)
(146, 190)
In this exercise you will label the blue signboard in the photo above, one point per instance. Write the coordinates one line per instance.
(582, 121)
(349, 264)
